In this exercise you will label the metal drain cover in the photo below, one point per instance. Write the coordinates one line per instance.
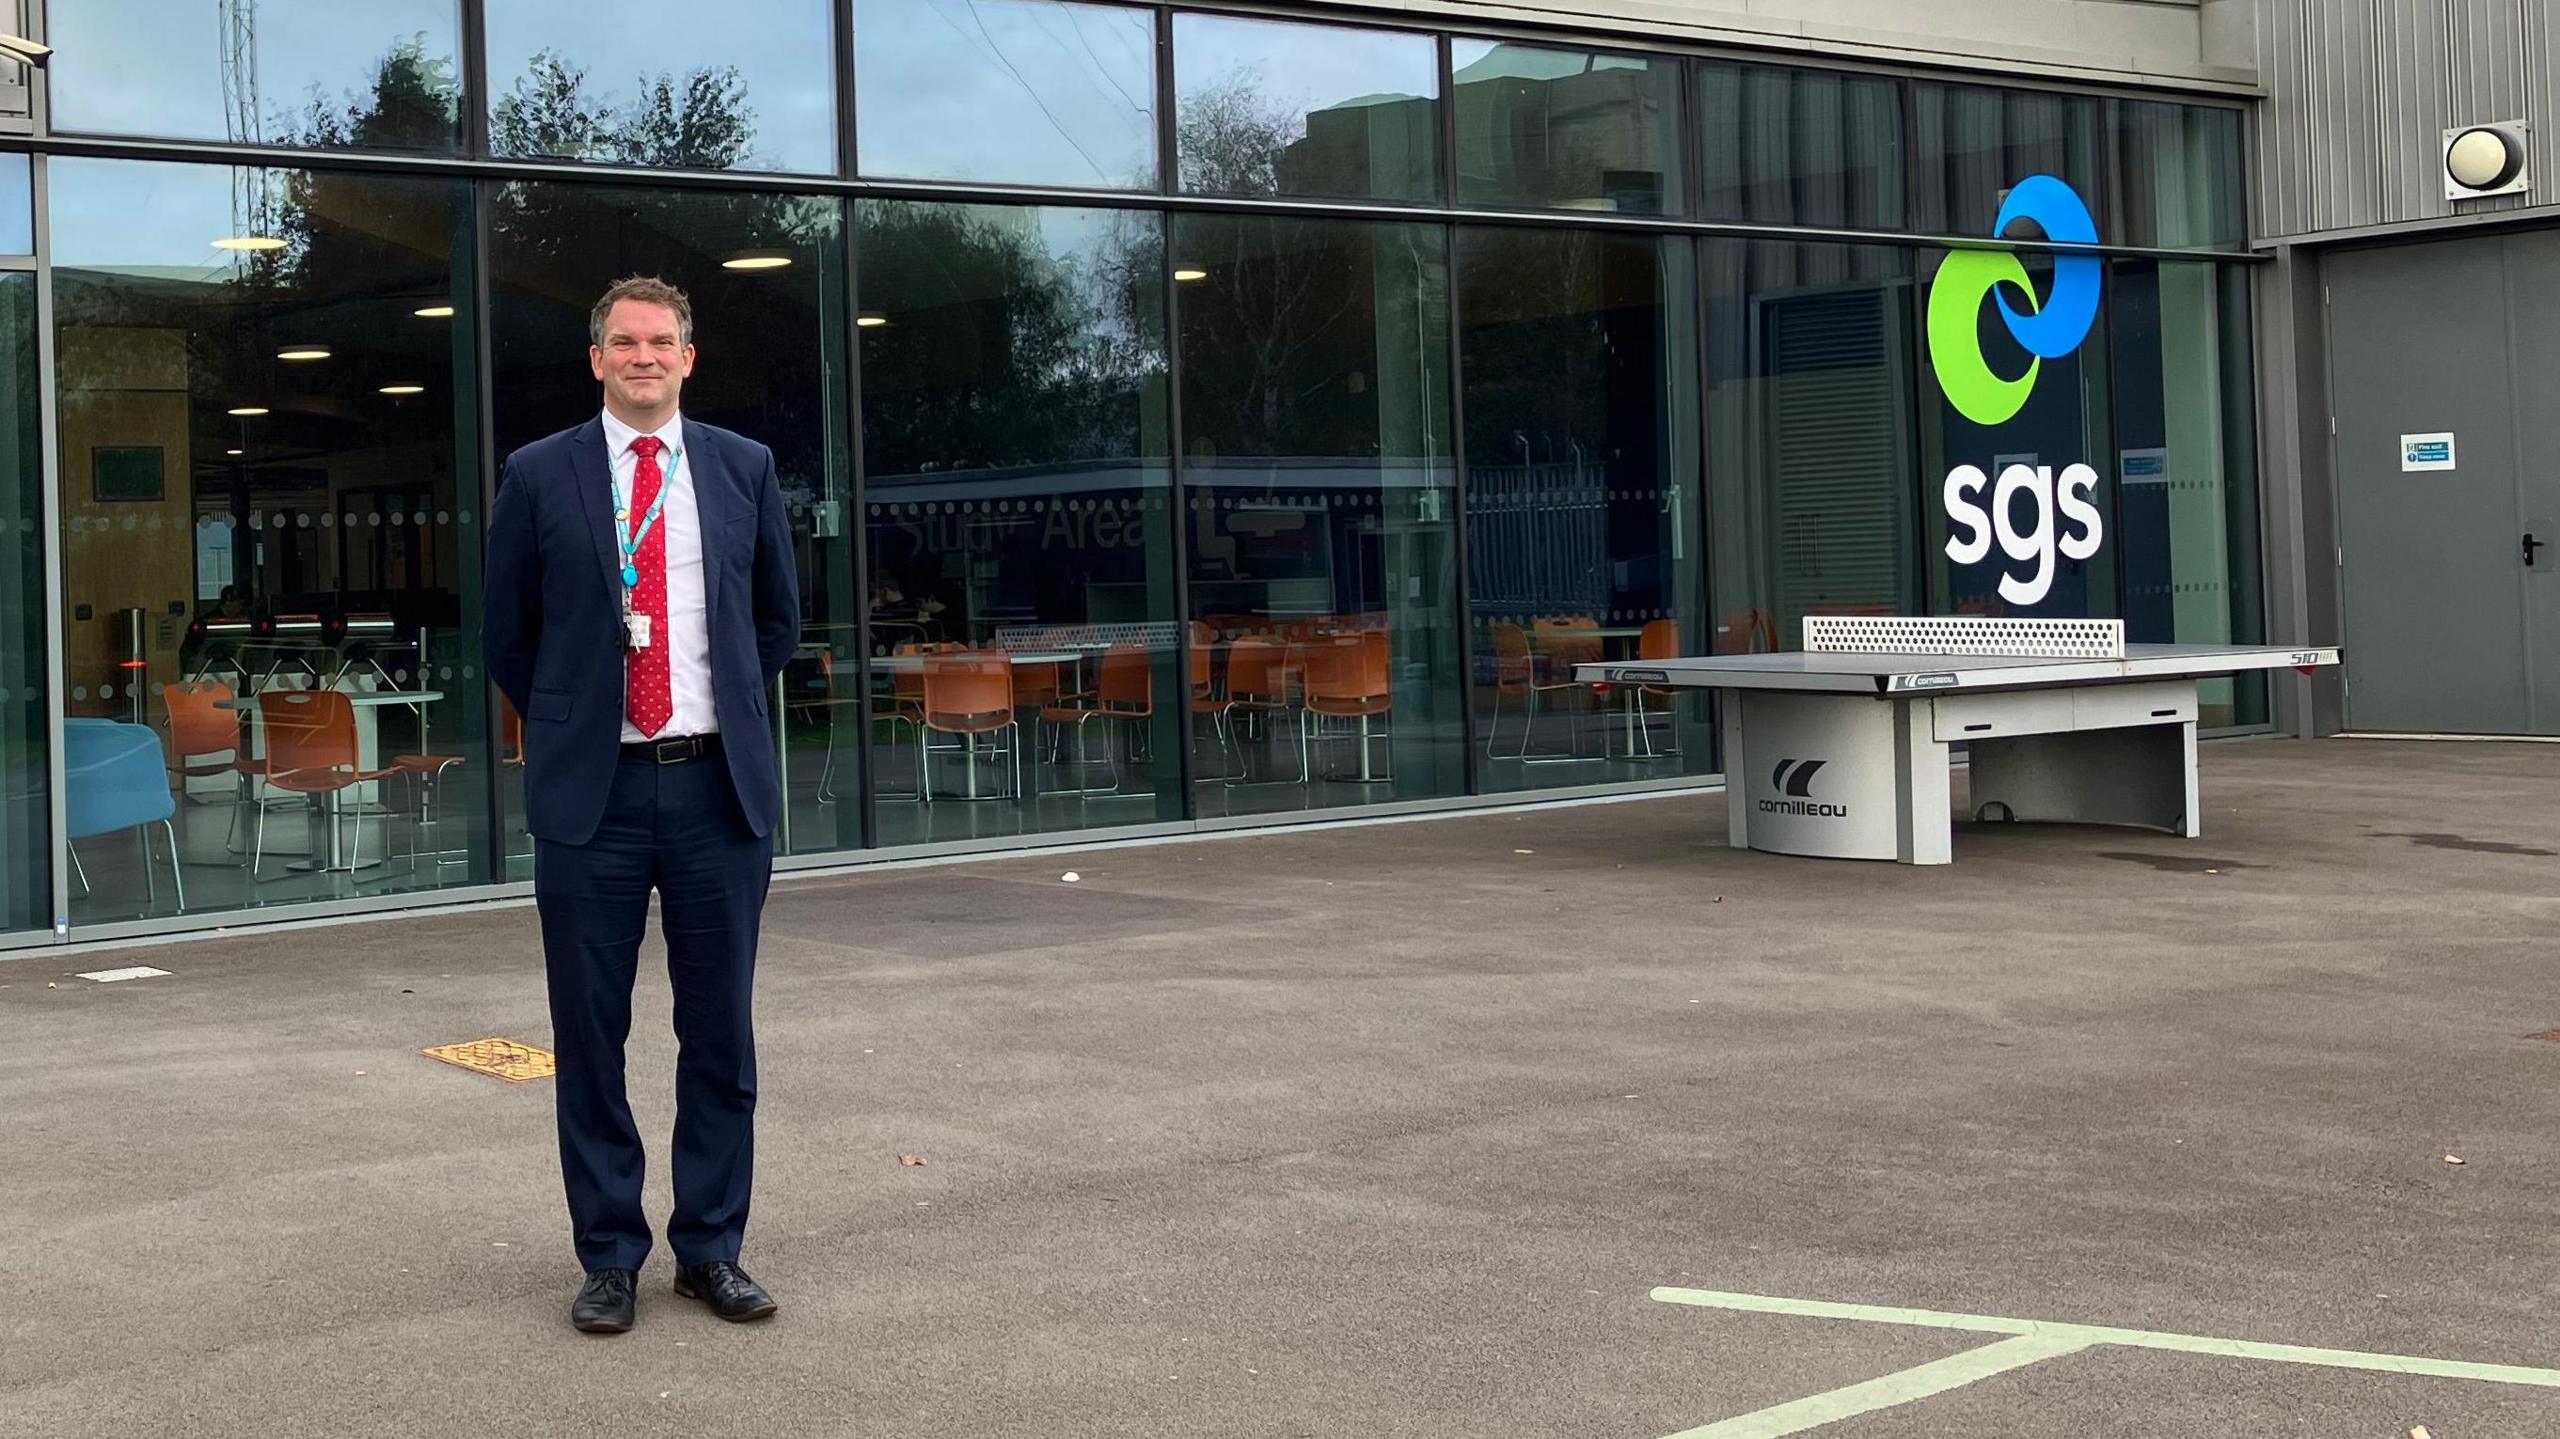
(505, 1058)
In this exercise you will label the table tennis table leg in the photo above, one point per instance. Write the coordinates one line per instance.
(1737, 796)
(1923, 824)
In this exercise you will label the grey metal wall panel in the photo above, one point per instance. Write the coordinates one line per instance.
(2361, 91)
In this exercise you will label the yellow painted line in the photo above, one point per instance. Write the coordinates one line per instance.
(1935, 1377)
(2089, 1335)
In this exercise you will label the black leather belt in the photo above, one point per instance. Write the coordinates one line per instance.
(677, 749)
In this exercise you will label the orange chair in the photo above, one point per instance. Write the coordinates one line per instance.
(425, 776)
(1752, 632)
(1524, 673)
(904, 704)
(311, 750)
(968, 694)
(200, 725)
(1351, 678)
(1660, 640)
(1124, 695)
(1257, 688)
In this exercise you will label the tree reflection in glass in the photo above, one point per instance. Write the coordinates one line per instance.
(1316, 455)
(1014, 430)
(754, 91)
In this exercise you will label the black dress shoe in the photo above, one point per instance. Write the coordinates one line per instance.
(726, 1288)
(607, 1302)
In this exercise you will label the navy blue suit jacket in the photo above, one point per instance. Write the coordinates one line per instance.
(551, 617)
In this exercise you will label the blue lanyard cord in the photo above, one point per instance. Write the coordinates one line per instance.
(623, 533)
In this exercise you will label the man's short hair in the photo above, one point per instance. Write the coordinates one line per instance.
(648, 289)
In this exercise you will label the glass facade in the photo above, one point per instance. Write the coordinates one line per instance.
(647, 82)
(1300, 493)
(1023, 92)
(1271, 108)
(1546, 128)
(338, 74)
(269, 557)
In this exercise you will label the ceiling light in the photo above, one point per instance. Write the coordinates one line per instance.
(235, 452)
(870, 321)
(434, 312)
(249, 410)
(304, 352)
(404, 389)
(1189, 275)
(249, 242)
(756, 260)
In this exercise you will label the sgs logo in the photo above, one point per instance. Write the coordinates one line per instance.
(2047, 330)
(2041, 540)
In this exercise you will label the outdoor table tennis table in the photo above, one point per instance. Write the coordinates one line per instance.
(1842, 750)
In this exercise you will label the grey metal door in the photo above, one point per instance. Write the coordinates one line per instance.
(2421, 344)
(2533, 289)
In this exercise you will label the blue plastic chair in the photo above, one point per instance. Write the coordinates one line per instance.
(115, 778)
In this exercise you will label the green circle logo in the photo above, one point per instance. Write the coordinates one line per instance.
(2047, 330)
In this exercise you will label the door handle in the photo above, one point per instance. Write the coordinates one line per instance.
(2530, 545)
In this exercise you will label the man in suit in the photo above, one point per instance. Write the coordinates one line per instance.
(640, 600)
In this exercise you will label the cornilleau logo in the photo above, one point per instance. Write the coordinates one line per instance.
(1795, 777)
(1793, 780)
(2047, 331)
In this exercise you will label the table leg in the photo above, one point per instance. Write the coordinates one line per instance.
(1737, 788)
(1924, 826)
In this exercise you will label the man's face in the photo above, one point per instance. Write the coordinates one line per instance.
(644, 360)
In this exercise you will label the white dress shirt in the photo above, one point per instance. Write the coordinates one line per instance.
(688, 636)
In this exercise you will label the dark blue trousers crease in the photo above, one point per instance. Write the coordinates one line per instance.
(676, 829)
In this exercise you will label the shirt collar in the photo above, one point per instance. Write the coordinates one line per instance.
(618, 436)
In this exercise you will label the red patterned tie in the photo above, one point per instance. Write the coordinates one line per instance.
(651, 702)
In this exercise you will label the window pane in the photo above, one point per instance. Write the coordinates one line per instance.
(659, 82)
(2179, 169)
(769, 342)
(1973, 143)
(1801, 147)
(1810, 449)
(2031, 528)
(1541, 128)
(1316, 454)
(368, 74)
(1021, 536)
(2186, 465)
(270, 487)
(1034, 92)
(1264, 107)
(25, 823)
(1582, 509)
(17, 206)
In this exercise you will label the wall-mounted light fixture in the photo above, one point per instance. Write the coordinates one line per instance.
(2485, 160)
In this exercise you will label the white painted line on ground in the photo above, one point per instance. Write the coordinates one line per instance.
(1935, 1377)
(112, 976)
(2091, 1334)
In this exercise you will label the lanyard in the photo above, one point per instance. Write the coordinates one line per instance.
(623, 533)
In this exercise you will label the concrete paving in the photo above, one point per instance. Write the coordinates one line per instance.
(1380, 1130)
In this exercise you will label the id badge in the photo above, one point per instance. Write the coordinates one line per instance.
(639, 627)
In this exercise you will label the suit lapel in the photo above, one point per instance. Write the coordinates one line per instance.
(594, 474)
(711, 515)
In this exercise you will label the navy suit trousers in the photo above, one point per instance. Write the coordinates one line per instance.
(676, 829)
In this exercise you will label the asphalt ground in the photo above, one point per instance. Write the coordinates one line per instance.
(1386, 1129)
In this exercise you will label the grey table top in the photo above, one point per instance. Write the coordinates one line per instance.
(1884, 674)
